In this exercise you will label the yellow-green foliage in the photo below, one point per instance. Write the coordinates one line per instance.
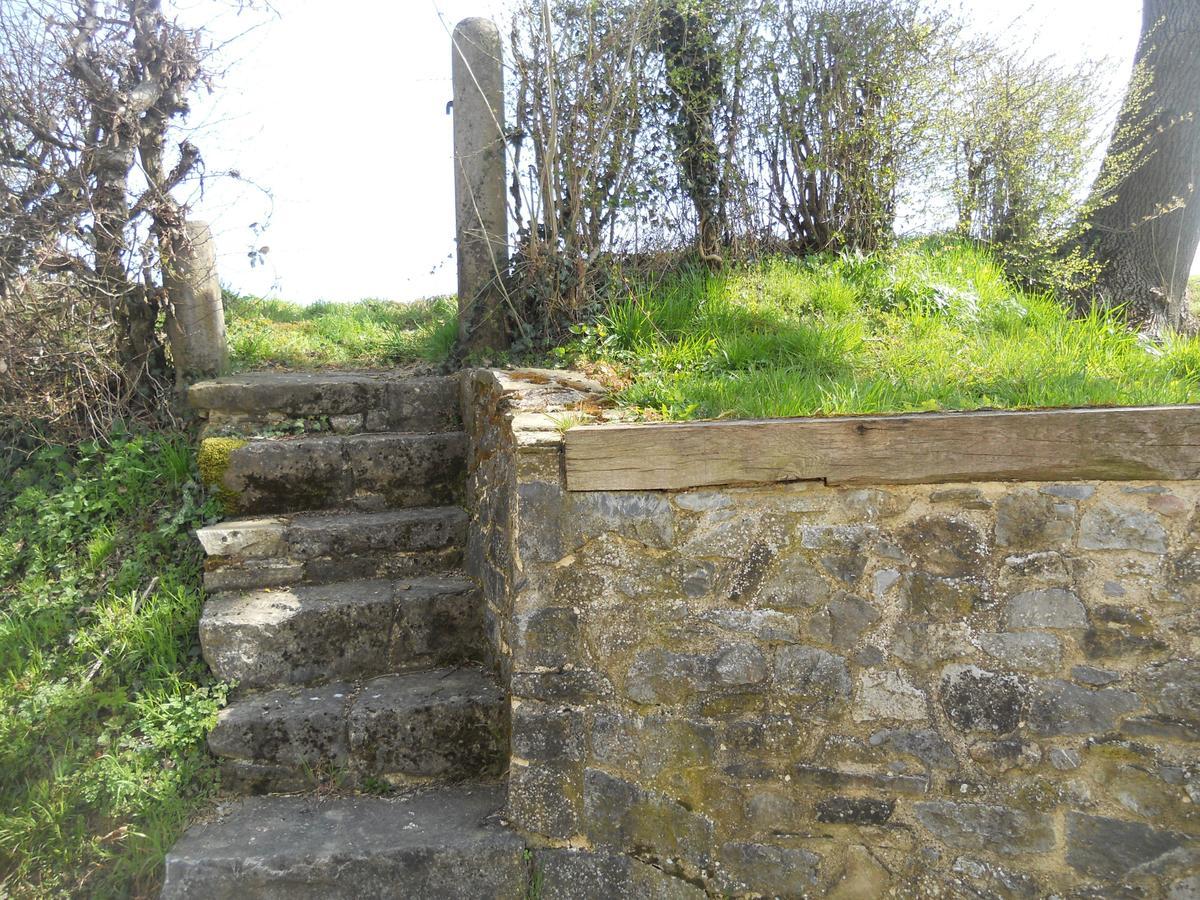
(212, 460)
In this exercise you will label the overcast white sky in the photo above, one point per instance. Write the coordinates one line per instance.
(340, 111)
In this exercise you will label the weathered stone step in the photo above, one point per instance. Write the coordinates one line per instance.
(440, 843)
(345, 402)
(445, 724)
(362, 472)
(349, 629)
(320, 548)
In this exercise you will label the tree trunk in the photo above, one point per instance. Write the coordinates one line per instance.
(1145, 227)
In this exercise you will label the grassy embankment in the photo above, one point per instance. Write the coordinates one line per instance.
(367, 334)
(104, 700)
(932, 326)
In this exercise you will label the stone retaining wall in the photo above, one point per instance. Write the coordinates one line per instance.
(985, 689)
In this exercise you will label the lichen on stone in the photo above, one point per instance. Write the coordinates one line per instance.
(212, 460)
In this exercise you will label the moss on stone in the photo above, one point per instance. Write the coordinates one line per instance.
(213, 460)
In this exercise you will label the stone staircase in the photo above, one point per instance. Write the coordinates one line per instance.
(339, 607)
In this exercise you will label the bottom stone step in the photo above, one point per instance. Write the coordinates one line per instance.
(447, 725)
(444, 843)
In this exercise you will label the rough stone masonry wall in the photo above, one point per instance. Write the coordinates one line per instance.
(982, 690)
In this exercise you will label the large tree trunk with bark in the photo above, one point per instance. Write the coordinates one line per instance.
(1145, 229)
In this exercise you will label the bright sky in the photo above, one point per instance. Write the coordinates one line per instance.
(340, 111)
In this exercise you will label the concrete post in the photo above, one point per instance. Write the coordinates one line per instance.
(196, 314)
(479, 185)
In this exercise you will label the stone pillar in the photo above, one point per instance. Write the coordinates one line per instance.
(196, 315)
(479, 185)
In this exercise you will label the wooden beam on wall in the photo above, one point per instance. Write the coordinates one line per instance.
(1135, 443)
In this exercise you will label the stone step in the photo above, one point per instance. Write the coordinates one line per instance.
(320, 548)
(344, 402)
(368, 472)
(444, 724)
(351, 629)
(440, 843)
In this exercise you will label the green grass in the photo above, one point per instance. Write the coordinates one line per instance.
(104, 700)
(370, 333)
(932, 326)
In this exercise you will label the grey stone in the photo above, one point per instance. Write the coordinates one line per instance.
(977, 700)
(841, 780)
(1059, 707)
(409, 403)
(621, 816)
(855, 811)
(987, 827)
(569, 686)
(587, 875)
(767, 869)
(1046, 608)
(350, 629)
(1185, 888)
(741, 665)
(440, 843)
(640, 516)
(1160, 726)
(1094, 677)
(298, 728)
(989, 880)
(546, 799)
(843, 621)
(1064, 759)
(793, 584)
(811, 677)
(1069, 491)
(1006, 755)
(938, 599)
(1173, 689)
(366, 471)
(1100, 847)
(658, 675)
(764, 624)
(1107, 526)
(546, 733)
(547, 636)
(925, 744)
(1026, 651)
(945, 545)
(888, 695)
(445, 723)
(539, 537)
(924, 646)
(968, 498)
(702, 501)
(1032, 521)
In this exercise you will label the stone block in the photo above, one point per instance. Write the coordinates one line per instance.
(977, 700)
(987, 827)
(1024, 651)
(888, 695)
(1029, 520)
(1045, 608)
(945, 545)
(766, 869)
(1107, 526)
(1113, 849)
(1059, 707)
(811, 678)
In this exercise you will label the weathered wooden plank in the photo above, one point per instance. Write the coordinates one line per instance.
(1039, 445)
